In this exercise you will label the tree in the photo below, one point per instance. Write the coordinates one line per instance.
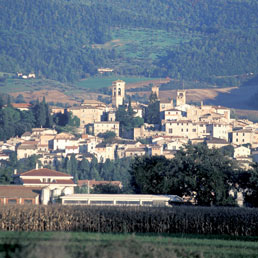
(108, 136)
(106, 189)
(248, 184)
(152, 112)
(195, 171)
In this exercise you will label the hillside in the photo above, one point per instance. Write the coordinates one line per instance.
(189, 39)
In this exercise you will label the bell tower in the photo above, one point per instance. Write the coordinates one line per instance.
(155, 90)
(180, 97)
(118, 93)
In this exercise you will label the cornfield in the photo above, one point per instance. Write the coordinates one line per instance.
(106, 219)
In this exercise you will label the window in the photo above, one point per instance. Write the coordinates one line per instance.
(119, 91)
(147, 203)
(12, 201)
(70, 202)
(128, 202)
(83, 202)
(170, 130)
(28, 201)
(194, 130)
(102, 202)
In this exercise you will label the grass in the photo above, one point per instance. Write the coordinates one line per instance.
(145, 43)
(106, 81)
(80, 244)
(19, 85)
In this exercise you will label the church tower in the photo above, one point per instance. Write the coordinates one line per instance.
(181, 97)
(155, 90)
(118, 93)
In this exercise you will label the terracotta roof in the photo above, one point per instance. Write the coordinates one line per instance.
(57, 182)
(72, 147)
(44, 172)
(21, 105)
(17, 191)
(92, 101)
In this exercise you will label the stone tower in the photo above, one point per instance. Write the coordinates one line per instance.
(181, 97)
(118, 93)
(155, 90)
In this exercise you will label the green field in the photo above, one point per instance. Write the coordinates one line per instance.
(71, 244)
(146, 43)
(19, 85)
(106, 81)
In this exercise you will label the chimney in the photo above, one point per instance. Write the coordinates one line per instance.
(37, 166)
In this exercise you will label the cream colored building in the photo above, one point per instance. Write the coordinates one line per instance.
(106, 126)
(173, 114)
(185, 128)
(165, 105)
(26, 150)
(218, 130)
(243, 136)
(104, 152)
(118, 93)
(133, 152)
(242, 151)
(88, 114)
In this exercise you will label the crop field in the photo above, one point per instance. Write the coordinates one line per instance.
(103, 231)
(81, 244)
(106, 81)
(233, 222)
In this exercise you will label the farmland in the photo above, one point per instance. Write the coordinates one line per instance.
(106, 81)
(107, 219)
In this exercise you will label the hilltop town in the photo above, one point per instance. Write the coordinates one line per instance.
(179, 124)
(103, 134)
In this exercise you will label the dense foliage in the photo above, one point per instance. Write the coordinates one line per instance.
(152, 112)
(57, 39)
(14, 122)
(191, 220)
(197, 171)
(125, 115)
